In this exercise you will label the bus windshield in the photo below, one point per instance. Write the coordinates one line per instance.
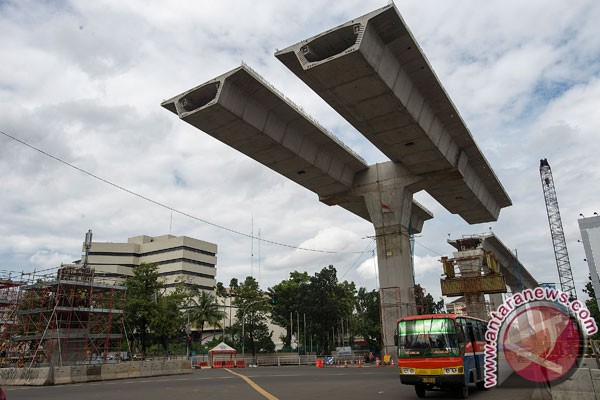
(433, 337)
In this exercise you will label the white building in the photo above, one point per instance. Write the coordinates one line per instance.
(590, 237)
(177, 257)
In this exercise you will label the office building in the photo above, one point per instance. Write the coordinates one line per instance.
(179, 258)
(590, 237)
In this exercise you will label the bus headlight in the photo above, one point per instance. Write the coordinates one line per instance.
(453, 370)
(407, 371)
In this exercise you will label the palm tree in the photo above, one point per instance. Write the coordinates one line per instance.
(204, 309)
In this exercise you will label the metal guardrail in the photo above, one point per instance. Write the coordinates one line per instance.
(261, 360)
(274, 360)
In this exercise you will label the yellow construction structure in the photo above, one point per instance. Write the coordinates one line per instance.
(472, 273)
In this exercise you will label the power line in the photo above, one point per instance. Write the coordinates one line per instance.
(358, 258)
(427, 248)
(148, 199)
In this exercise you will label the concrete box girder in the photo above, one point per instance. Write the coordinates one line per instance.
(382, 80)
(241, 110)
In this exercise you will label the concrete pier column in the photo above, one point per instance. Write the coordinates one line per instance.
(388, 195)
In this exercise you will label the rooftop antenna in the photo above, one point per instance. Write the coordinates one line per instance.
(87, 246)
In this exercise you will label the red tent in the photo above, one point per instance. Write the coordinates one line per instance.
(222, 349)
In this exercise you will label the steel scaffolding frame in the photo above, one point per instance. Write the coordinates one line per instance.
(64, 318)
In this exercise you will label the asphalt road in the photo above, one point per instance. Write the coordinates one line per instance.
(293, 383)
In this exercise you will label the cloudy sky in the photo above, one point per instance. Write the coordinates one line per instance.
(83, 82)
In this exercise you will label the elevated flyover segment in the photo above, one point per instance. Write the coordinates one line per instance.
(373, 73)
(517, 276)
(243, 111)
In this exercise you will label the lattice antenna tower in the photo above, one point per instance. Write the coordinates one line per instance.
(565, 275)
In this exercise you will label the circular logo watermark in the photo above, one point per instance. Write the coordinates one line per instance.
(540, 333)
(541, 343)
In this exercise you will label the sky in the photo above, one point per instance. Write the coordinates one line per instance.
(81, 85)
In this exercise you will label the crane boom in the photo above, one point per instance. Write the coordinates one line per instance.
(565, 275)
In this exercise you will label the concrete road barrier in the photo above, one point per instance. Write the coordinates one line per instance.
(134, 369)
(62, 375)
(121, 371)
(37, 376)
(89, 373)
(157, 367)
(186, 367)
(108, 372)
(9, 376)
(94, 373)
(78, 373)
(146, 368)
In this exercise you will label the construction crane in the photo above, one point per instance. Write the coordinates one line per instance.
(565, 275)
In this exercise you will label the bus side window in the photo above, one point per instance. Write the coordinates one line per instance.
(464, 324)
(480, 331)
(476, 330)
(459, 332)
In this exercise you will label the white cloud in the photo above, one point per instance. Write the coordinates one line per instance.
(50, 259)
(84, 82)
(368, 270)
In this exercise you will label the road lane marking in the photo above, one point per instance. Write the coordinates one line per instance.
(253, 385)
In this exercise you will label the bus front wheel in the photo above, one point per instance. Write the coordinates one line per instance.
(463, 391)
(420, 391)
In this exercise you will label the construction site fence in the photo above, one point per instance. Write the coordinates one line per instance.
(45, 376)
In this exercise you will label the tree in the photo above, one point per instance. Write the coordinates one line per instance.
(329, 303)
(220, 290)
(203, 309)
(140, 306)
(291, 300)
(592, 305)
(367, 319)
(168, 322)
(252, 309)
(425, 302)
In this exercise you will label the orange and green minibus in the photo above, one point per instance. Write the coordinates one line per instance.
(441, 352)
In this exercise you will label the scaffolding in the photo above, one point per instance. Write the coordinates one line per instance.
(472, 273)
(9, 297)
(65, 318)
(393, 308)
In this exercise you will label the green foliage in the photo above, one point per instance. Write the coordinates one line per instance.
(220, 290)
(366, 321)
(252, 310)
(140, 306)
(203, 309)
(328, 303)
(321, 308)
(592, 305)
(426, 304)
(321, 299)
(292, 297)
(168, 321)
